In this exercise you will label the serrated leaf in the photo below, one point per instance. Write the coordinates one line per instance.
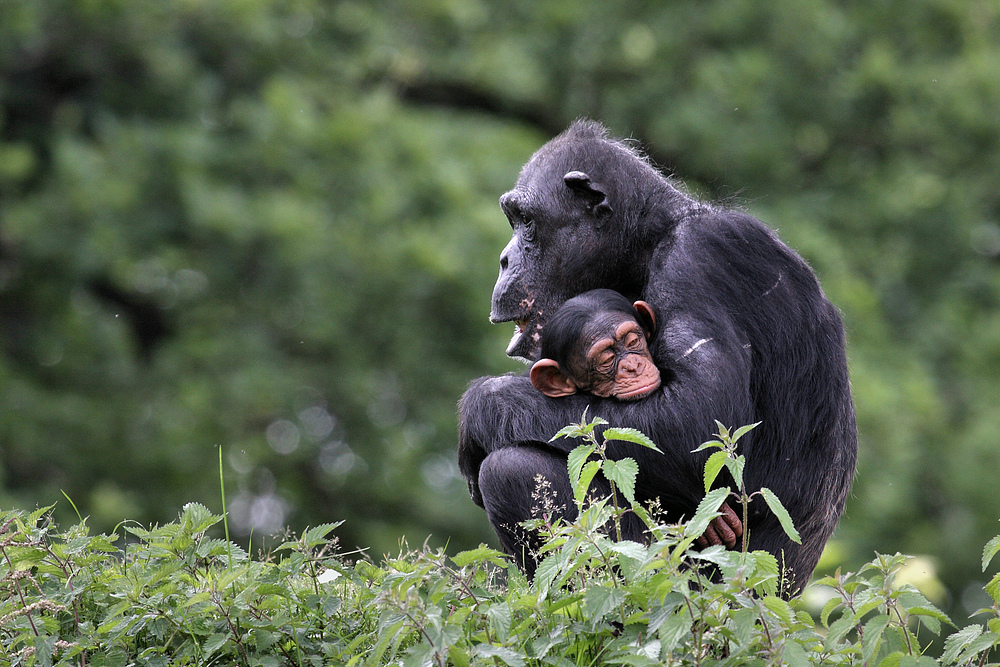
(973, 648)
(930, 611)
(630, 549)
(622, 474)
(213, 644)
(508, 656)
(630, 435)
(795, 656)
(782, 514)
(317, 535)
(838, 630)
(779, 608)
(892, 660)
(991, 549)
(480, 555)
(831, 604)
(713, 465)
(198, 517)
(735, 465)
(873, 636)
(571, 431)
(583, 484)
(993, 588)
(599, 601)
(500, 616)
(707, 510)
(743, 430)
(575, 461)
(708, 445)
(197, 598)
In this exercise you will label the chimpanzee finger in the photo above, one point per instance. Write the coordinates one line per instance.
(726, 535)
(731, 518)
(711, 535)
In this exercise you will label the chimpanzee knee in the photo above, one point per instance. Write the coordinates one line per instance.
(521, 483)
(526, 482)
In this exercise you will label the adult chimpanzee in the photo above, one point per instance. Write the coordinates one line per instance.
(596, 343)
(745, 335)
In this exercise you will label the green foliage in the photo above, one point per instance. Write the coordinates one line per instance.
(272, 226)
(735, 463)
(172, 594)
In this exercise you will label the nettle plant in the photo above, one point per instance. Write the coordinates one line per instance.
(176, 595)
(591, 457)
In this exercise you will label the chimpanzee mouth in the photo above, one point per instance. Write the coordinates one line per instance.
(525, 341)
(640, 392)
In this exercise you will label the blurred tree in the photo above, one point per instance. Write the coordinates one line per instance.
(272, 227)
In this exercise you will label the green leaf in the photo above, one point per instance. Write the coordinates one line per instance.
(779, 608)
(743, 430)
(508, 656)
(993, 588)
(709, 445)
(630, 549)
(583, 484)
(735, 464)
(630, 435)
(580, 430)
(873, 636)
(214, 643)
(838, 630)
(828, 608)
(930, 611)
(500, 616)
(991, 549)
(571, 431)
(483, 554)
(795, 655)
(707, 510)
(675, 629)
(713, 465)
(198, 517)
(575, 461)
(892, 660)
(622, 474)
(782, 514)
(984, 643)
(599, 601)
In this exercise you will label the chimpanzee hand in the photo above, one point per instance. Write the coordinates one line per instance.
(724, 530)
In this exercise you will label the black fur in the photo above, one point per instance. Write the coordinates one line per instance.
(744, 334)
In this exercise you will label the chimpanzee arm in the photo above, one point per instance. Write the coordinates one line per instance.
(705, 378)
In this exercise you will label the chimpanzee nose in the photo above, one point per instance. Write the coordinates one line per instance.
(630, 363)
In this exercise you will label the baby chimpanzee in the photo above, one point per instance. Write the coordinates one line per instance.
(597, 343)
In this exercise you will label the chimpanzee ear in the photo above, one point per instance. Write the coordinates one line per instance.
(647, 318)
(597, 199)
(549, 379)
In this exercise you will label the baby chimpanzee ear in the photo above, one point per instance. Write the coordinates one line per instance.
(549, 379)
(647, 318)
(597, 199)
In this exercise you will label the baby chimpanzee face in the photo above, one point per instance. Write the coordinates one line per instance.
(597, 342)
(613, 359)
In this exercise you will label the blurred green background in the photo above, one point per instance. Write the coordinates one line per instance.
(272, 227)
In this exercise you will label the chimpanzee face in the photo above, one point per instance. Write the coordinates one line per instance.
(614, 360)
(605, 354)
(566, 238)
